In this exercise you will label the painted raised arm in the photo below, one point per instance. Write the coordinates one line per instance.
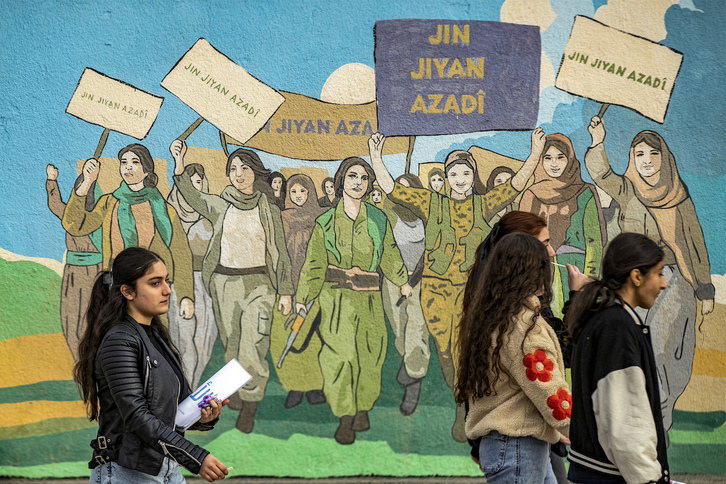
(383, 177)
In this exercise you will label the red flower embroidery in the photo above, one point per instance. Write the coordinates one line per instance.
(561, 404)
(538, 366)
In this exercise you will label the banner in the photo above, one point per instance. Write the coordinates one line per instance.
(610, 66)
(305, 128)
(437, 77)
(222, 92)
(113, 104)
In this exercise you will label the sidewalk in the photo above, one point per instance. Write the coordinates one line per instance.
(686, 478)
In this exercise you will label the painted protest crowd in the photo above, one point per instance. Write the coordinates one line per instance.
(358, 251)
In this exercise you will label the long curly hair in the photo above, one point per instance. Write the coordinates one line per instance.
(518, 268)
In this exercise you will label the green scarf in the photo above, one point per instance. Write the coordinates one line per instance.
(126, 221)
(97, 235)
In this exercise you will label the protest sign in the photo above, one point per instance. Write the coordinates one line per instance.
(305, 128)
(113, 104)
(445, 77)
(221, 91)
(610, 66)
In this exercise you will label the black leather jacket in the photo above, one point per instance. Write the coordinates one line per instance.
(138, 393)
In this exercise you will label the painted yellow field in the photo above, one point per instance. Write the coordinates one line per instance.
(45, 357)
(32, 359)
(24, 413)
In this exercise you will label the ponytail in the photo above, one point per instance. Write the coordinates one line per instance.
(592, 298)
(625, 253)
(105, 308)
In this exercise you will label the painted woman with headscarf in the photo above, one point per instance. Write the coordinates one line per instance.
(655, 202)
(572, 211)
(300, 374)
(498, 176)
(436, 180)
(194, 337)
(134, 215)
(278, 183)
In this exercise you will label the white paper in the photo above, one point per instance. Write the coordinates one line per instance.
(224, 383)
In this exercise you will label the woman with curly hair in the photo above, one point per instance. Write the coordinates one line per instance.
(511, 371)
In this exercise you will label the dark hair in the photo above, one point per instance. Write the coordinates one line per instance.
(432, 173)
(461, 157)
(560, 145)
(327, 179)
(147, 162)
(251, 159)
(511, 222)
(276, 174)
(106, 308)
(626, 252)
(194, 169)
(413, 180)
(345, 165)
(495, 173)
(518, 268)
(650, 138)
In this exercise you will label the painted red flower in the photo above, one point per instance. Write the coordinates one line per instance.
(538, 366)
(561, 404)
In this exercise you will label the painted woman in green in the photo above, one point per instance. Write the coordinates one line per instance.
(572, 211)
(349, 243)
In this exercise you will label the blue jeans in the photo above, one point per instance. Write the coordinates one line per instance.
(515, 460)
(113, 473)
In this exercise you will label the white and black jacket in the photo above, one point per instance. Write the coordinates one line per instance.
(616, 427)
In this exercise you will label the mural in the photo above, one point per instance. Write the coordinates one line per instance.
(319, 217)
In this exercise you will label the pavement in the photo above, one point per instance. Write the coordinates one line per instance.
(683, 478)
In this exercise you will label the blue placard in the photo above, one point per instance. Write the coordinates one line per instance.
(447, 76)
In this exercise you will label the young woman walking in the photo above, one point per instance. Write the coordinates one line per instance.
(617, 427)
(131, 379)
(511, 371)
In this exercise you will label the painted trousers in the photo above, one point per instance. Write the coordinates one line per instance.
(354, 342)
(300, 371)
(243, 310)
(75, 295)
(411, 337)
(194, 337)
(441, 302)
(672, 321)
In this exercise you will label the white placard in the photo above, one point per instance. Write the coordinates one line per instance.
(610, 66)
(222, 92)
(113, 104)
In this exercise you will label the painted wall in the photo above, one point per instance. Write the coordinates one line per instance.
(319, 52)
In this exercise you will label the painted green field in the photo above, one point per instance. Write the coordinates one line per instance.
(296, 442)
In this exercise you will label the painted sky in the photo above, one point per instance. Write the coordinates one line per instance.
(296, 46)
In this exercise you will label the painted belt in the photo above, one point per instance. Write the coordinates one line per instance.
(235, 271)
(354, 278)
(83, 258)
